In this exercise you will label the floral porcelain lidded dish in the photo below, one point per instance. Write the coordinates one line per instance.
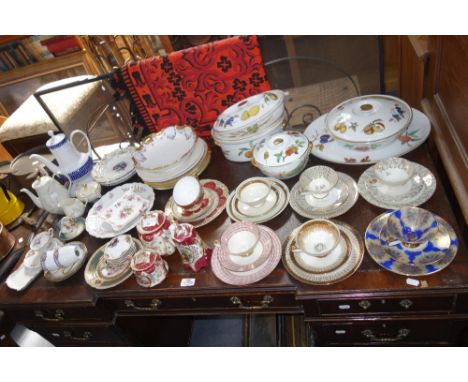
(369, 122)
(283, 155)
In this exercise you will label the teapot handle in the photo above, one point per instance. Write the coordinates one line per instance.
(66, 176)
(85, 137)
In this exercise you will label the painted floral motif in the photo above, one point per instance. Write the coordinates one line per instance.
(251, 112)
(397, 113)
(411, 137)
(366, 159)
(246, 151)
(342, 127)
(291, 150)
(323, 140)
(376, 126)
(120, 166)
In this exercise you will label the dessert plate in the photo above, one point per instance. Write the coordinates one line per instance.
(347, 268)
(99, 276)
(341, 200)
(380, 255)
(115, 168)
(241, 264)
(70, 228)
(65, 273)
(253, 275)
(239, 211)
(22, 277)
(96, 223)
(212, 185)
(327, 148)
(421, 188)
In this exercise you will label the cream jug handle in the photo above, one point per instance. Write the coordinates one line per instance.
(84, 136)
(66, 176)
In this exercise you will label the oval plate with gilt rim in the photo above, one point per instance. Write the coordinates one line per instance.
(386, 261)
(411, 199)
(63, 274)
(93, 275)
(298, 202)
(222, 196)
(251, 276)
(326, 148)
(342, 272)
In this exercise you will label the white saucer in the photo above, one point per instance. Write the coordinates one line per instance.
(270, 202)
(325, 147)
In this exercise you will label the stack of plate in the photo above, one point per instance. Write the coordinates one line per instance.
(396, 182)
(169, 155)
(417, 258)
(119, 210)
(257, 200)
(335, 266)
(115, 168)
(241, 126)
(247, 254)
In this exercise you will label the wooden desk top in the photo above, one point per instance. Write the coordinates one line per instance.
(369, 278)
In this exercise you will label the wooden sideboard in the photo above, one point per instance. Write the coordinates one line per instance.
(372, 307)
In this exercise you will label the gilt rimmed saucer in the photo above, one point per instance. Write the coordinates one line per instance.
(222, 194)
(65, 273)
(347, 268)
(98, 277)
(253, 275)
(346, 185)
(260, 254)
(276, 202)
(380, 255)
(211, 200)
(419, 190)
(115, 168)
(70, 228)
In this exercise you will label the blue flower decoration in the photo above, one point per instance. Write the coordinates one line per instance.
(325, 138)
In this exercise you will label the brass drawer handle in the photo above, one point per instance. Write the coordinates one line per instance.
(265, 303)
(406, 303)
(365, 304)
(152, 307)
(86, 336)
(402, 333)
(59, 315)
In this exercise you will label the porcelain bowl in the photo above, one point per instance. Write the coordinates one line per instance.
(318, 237)
(411, 225)
(253, 192)
(318, 180)
(394, 171)
(240, 239)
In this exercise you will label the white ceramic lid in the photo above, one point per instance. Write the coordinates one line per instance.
(368, 118)
(249, 111)
(186, 191)
(281, 148)
(165, 147)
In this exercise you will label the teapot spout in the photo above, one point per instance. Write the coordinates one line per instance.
(52, 167)
(33, 197)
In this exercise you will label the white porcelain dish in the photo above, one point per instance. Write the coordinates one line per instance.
(115, 168)
(368, 121)
(327, 148)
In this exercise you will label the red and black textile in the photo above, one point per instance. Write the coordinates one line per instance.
(193, 86)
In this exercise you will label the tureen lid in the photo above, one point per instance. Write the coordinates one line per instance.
(368, 118)
(281, 148)
(249, 111)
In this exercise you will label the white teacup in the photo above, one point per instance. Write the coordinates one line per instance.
(60, 258)
(253, 192)
(318, 237)
(240, 239)
(73, 207)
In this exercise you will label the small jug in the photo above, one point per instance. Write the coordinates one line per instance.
(194, 252)
(73, 207)
(153, 231)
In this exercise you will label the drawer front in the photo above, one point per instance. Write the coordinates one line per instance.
(236, 302)
(383, 332)
(62, 314)
(385, 305)
(82, 334)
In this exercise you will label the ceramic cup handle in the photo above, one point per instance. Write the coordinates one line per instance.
(85, 137)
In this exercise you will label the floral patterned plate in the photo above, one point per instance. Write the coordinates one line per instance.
(222, 195)
(96, 224)
(115, 168)
(70, 228)
(327, 148)
(99, 278)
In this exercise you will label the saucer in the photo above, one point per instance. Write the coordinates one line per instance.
(209, 204)
(99, 276)
(420, 189)
(323, 264)
(324, 146)
(211, 185)
(70, 228)
(63, 274)
(253, 275)
(115, 168)
(345, 186)
(434, 249)
(239, 211)
(260, 254)
(347, 268)
(385, 260)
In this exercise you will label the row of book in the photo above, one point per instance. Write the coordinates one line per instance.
(34, 49)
